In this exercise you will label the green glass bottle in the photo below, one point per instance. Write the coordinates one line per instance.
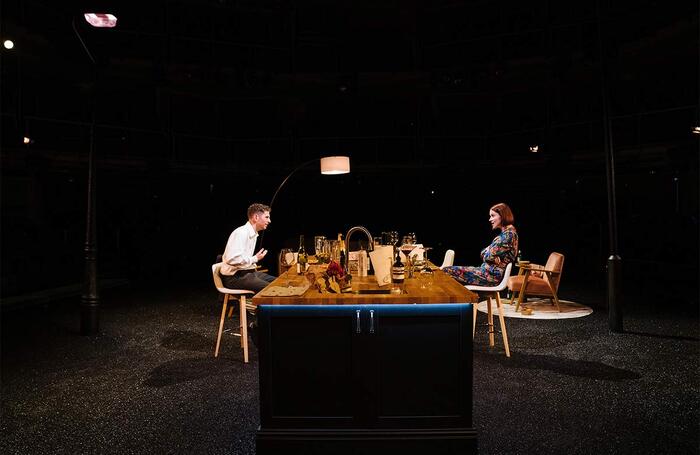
(302, 259)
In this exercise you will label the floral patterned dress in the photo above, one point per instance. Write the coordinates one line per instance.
(502, 251)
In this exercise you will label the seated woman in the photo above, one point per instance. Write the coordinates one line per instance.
(502, 251)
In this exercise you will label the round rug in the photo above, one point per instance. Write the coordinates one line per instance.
(541, 309)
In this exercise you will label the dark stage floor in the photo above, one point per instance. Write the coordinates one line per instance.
(150, 384)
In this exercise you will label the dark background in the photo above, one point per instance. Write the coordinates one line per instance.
(204, 107)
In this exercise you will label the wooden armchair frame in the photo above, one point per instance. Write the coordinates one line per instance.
(549, 275)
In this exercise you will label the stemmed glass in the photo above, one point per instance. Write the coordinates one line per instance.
(286, 258)
(407, 246)
(426, 273)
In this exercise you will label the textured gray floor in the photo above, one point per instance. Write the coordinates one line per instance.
(149, 383)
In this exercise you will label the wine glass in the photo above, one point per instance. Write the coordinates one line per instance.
(318, 244)
(407, 246)
(286, 259)
(426, 273)
(393, 238)
(412, 236)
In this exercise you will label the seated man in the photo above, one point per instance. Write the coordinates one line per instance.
(238, 268)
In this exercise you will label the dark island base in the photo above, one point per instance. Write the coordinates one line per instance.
(367, 442)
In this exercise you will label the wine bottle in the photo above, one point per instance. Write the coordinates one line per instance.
(302, 259)
(398, 271)
(341, 245)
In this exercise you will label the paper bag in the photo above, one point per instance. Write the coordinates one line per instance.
(381, 261)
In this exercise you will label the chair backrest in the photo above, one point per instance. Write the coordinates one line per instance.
(506, 276)
(501, 286)
(215, 268)
(555, 262)
(449, 259)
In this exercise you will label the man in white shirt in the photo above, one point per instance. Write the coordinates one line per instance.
(239, 262)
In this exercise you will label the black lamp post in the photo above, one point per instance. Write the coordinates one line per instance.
(89, 301)
(614, 263)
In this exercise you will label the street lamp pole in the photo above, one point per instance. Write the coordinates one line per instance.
(90, 300)
(614, 263)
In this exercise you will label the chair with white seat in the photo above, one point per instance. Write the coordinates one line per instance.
(493, 291)
(449, 259)
(228, 293)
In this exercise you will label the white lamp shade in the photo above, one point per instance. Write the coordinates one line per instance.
(331, 165)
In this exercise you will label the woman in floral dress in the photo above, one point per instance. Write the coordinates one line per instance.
(502, 251)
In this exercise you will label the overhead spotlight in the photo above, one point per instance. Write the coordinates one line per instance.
(534, 148)
(696, 130)
(8, 43)
(26, 140)
(101, 20)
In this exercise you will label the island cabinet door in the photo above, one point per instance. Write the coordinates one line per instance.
(421, 363)
(308, 357)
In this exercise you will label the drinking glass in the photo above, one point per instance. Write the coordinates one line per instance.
(406, 248)
(334, 250)
(318, 244)
(426, 273)
(286, 259)
(324, 253)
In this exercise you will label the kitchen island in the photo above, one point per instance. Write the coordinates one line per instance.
(366, 372)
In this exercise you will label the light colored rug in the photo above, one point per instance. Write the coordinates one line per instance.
(542, 309)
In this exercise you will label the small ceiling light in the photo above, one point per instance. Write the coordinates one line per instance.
(534, 148)
(696, 130)
(27, 140)
(8, 43)
(101, 20)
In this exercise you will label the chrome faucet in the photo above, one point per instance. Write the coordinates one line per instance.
(347, 242)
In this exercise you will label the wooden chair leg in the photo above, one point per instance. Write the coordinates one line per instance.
(521, 294)
(554, 295)
(230, 311)
(244, 328)
(503, 324)
(475, 310)
(491, 330)
(221, 326)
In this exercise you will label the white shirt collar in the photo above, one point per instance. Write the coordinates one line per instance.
(252, 233)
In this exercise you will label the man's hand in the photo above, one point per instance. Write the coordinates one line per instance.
(261, 254)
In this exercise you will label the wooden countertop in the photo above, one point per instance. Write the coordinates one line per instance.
(443, 290)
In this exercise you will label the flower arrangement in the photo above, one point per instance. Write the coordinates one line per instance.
(333, 280)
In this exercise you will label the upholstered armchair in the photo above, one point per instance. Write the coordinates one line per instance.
(538, 280)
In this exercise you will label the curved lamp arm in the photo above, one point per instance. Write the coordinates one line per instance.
(332, 165)
(274, 196)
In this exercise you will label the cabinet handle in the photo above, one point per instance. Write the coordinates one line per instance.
(357, 322)
(371, 321)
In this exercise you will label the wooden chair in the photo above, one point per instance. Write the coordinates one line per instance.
(536, 280)
(493, 291)
(241, 293)
(449, 259)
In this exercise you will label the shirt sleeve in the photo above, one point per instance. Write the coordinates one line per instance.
(236, 252)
